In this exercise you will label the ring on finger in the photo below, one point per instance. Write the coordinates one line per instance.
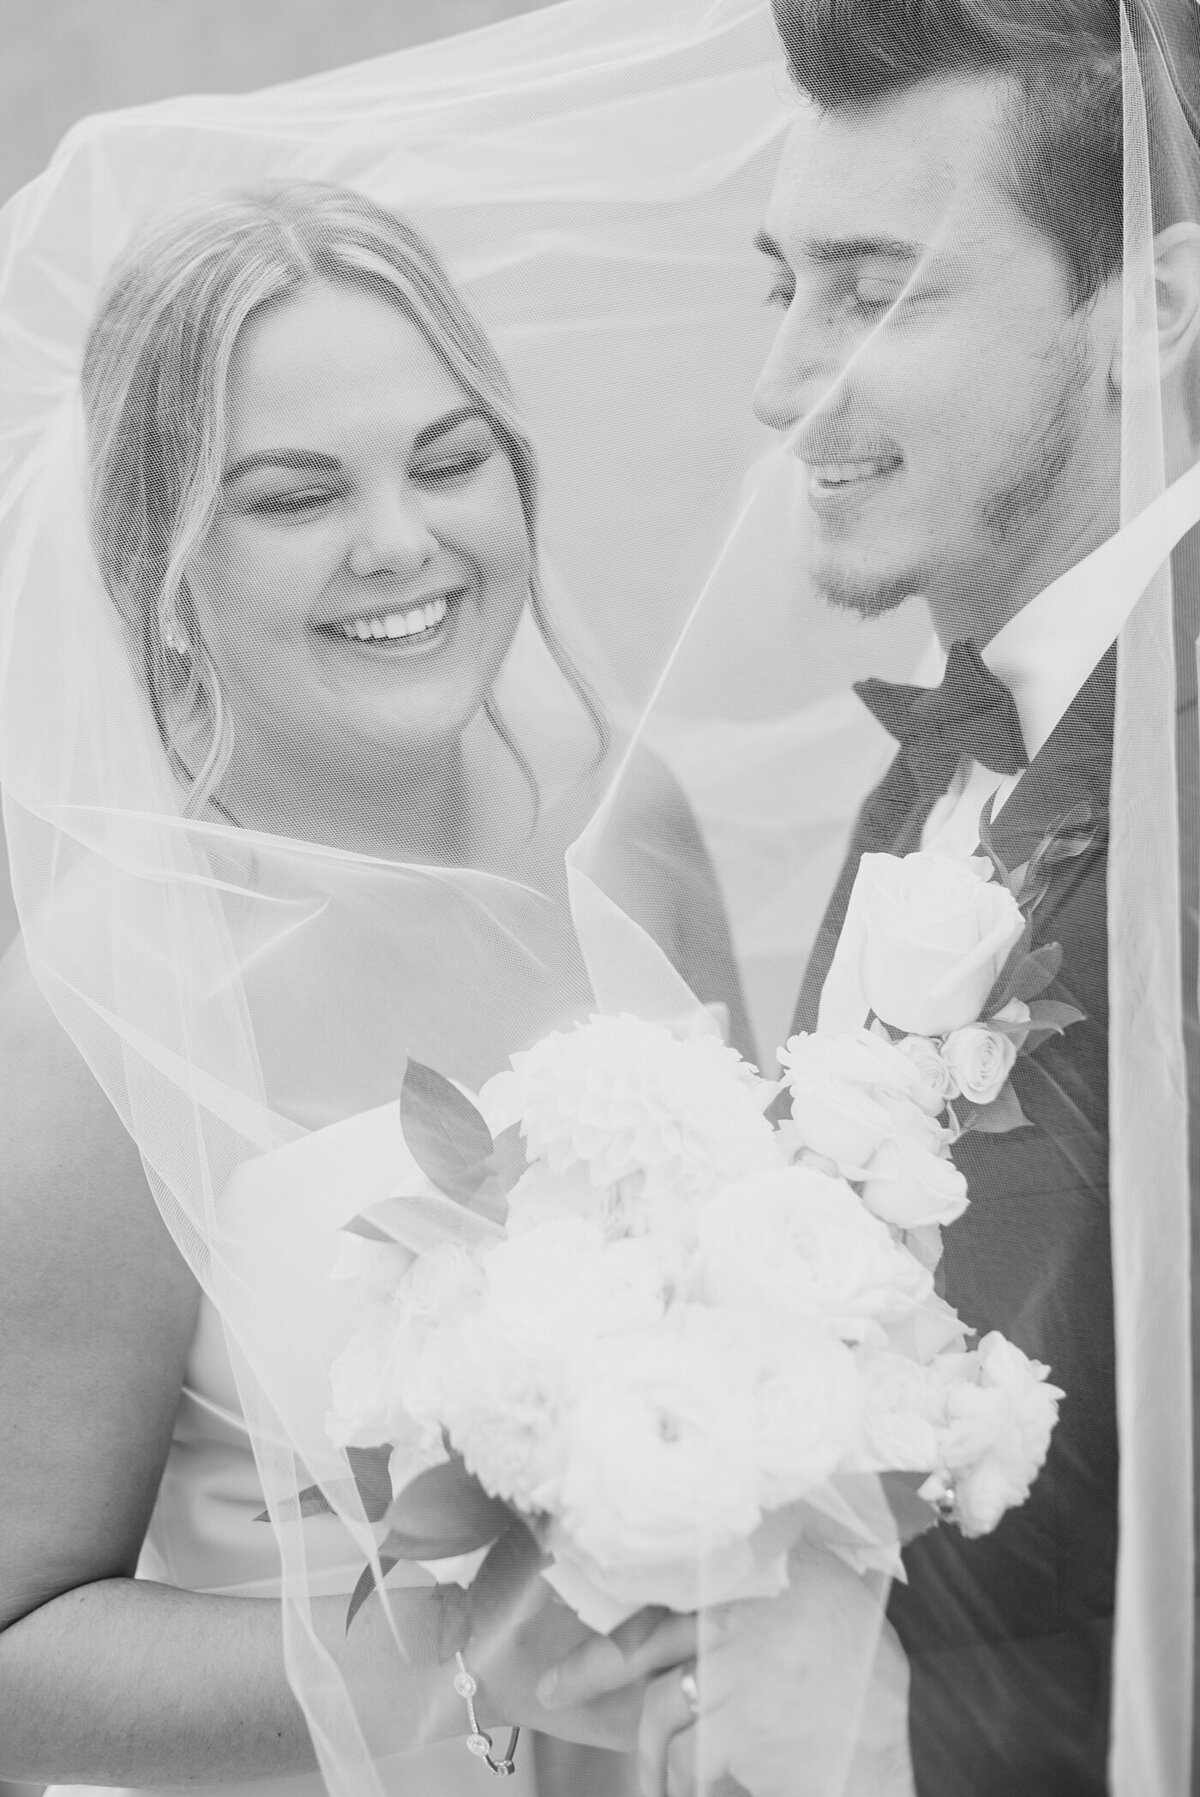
(689, 1688)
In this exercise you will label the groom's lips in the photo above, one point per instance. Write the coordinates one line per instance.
(847, 477)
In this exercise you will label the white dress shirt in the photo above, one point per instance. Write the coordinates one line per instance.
(1048, 651)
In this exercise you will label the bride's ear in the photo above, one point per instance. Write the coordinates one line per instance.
(1177, 300)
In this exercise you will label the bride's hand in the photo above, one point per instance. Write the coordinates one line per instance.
(800, 1695)
(521, 1632)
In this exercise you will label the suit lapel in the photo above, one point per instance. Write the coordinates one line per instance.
(1074, 767)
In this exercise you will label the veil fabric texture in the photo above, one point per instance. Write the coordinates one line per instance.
(593, 176)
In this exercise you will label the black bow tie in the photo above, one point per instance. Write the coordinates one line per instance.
(970, 713)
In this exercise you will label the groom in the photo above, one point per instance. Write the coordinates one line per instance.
(946, 241)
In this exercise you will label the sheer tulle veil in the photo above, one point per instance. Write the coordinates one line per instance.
(593, 177)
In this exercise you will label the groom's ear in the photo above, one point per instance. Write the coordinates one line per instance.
(1176, 301)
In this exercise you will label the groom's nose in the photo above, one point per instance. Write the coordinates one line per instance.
(802, 371)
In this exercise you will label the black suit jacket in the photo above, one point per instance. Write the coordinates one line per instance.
(1009, 1636)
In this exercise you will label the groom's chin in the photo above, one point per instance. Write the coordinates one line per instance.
(866, 596)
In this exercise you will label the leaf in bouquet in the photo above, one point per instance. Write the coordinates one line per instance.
(445, 1132)
(419, 1220)
(1073, 833)
(963, 1115)
(988, 844)
(444, 1511)
(366, 1226)
(309, 1502)
(1002, 991)
(1052, 1014)
(371, 1476)
(366, 1584)
(509, 1159)
(1035, 973)
(1002, 1115)
(913, 1514)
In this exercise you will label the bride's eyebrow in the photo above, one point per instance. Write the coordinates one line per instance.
(441, 427)
(310, 460)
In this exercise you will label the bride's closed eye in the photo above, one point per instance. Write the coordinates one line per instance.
(291, 505)
(458, 462)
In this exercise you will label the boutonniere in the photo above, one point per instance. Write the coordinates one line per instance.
(953, 974)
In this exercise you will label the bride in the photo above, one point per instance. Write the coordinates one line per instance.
(313, 508)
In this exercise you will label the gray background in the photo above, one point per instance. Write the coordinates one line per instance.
(63, 59)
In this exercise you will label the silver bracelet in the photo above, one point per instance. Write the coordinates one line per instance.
(479, 1742)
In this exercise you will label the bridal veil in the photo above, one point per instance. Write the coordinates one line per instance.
(593, 176)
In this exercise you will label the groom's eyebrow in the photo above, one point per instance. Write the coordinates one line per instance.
(829, 252)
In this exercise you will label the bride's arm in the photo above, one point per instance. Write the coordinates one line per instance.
(106, 1679)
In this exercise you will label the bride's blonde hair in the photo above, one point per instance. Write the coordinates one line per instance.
(155, 392)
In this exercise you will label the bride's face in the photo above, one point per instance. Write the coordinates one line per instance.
(369, 562)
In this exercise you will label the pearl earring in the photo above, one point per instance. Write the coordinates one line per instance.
(175, 639)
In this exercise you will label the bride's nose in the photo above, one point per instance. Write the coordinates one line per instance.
(392, 534)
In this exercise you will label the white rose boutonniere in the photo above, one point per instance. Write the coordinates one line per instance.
(937, 930)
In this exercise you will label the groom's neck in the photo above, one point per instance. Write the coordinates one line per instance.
(975, 605)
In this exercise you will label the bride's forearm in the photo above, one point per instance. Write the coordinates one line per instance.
(125, 1682)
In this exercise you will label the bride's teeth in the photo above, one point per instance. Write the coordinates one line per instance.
(413, 622)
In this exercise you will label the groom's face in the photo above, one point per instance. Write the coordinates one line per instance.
(955, 413)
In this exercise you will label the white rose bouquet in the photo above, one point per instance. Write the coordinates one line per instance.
(674, 1340)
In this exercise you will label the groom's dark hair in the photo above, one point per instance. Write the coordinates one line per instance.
(1063, 59)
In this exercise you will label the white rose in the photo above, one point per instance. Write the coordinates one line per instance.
(910, 1184)
(541, 1196)
(937, 1080)
(634, 1104)
(902, 1402)
(564, 1281)
(799, 1242)
(980, 1059)
(375, 1269)
(998, 1431)
(936, 931)
(807, 1408)
(501, 1395)
(441, 1283)
(846, 1089)
(661, 1460)
(934, 1329)
(366, 1381)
